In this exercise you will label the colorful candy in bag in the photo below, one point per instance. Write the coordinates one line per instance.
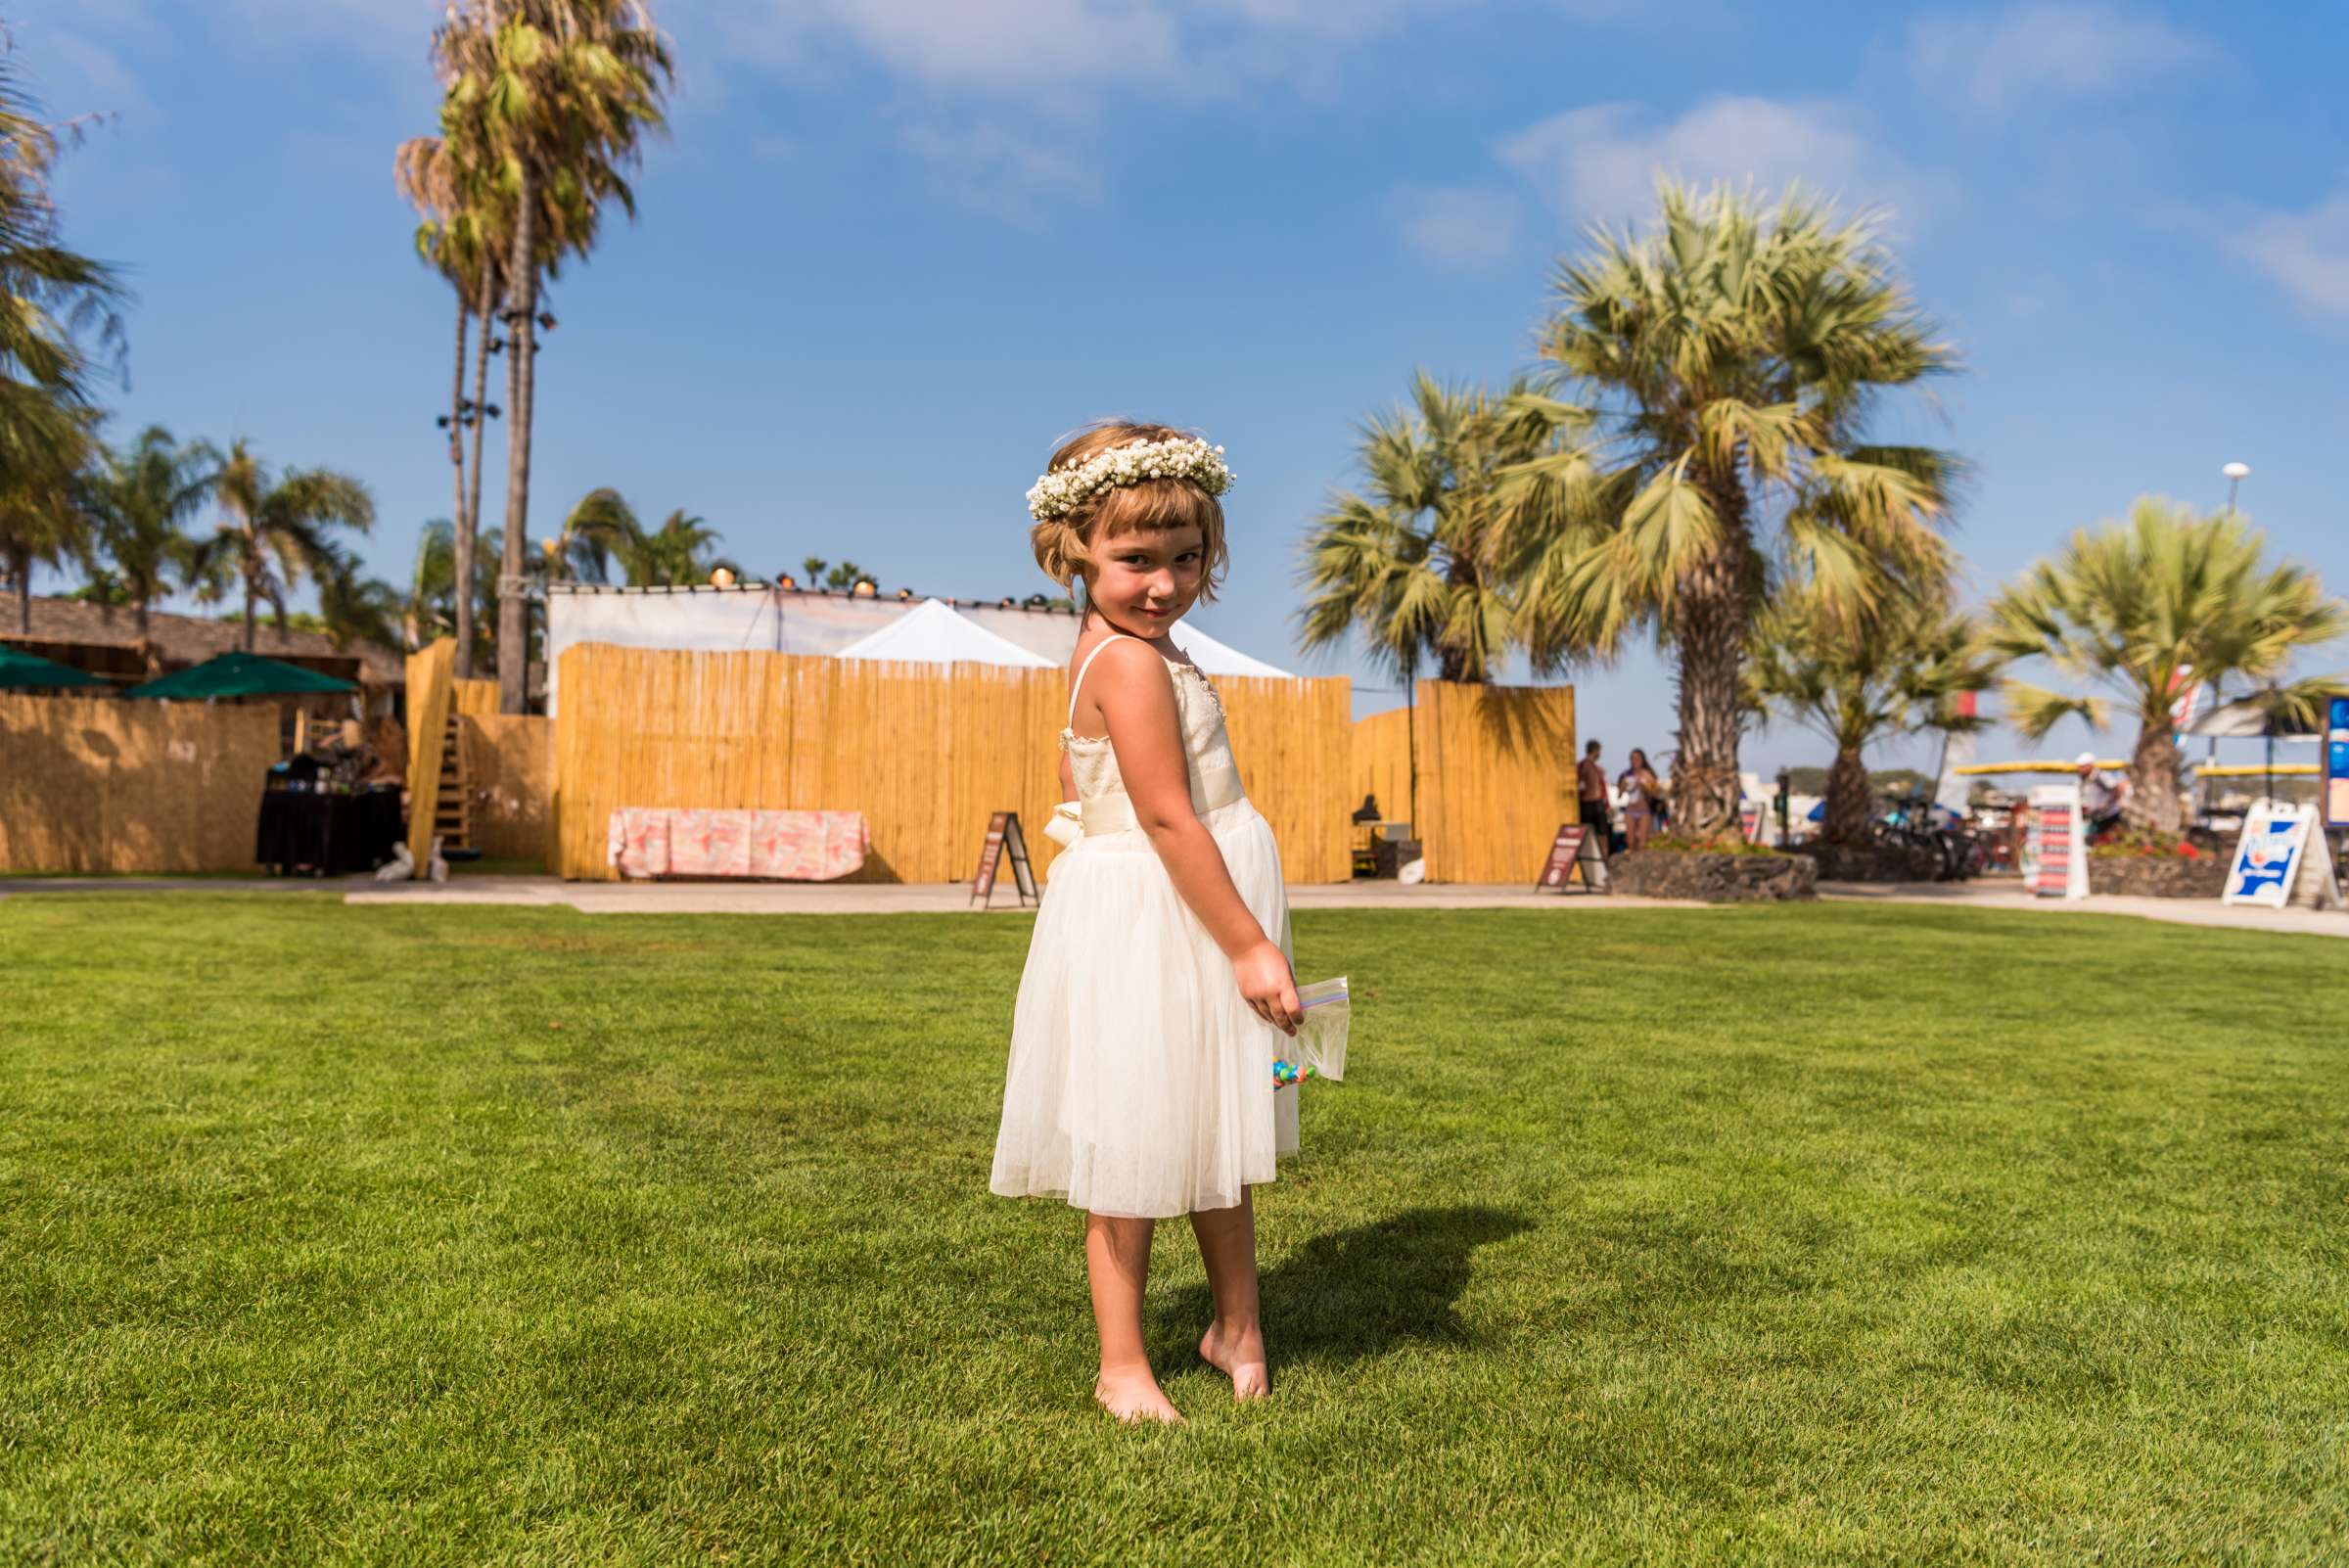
(1320, 1049)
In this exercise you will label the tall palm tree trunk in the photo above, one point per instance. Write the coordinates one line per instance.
(468, 522)
(1709, 631)
(513, 610)
(1850, 804)
(2153, 769)
(20, 567)
(1711, 611)
(456, 459)
(251, 604)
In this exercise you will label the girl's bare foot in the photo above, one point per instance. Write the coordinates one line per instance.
(1135, 1397)
(1239, 1354)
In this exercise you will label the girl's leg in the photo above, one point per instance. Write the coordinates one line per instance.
(1235, 1339)
(1116, 1261)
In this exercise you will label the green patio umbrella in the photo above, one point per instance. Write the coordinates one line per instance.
(20, 669)
(238, 675)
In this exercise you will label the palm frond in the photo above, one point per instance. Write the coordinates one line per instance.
(2034, 710)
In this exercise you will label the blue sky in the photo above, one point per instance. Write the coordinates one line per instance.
(893, 247)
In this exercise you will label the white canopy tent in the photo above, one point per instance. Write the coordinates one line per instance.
(1055, 637)
(933, 635)
(1220, 659)
(2245, 719)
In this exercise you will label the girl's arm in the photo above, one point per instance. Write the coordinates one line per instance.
(1135, 693)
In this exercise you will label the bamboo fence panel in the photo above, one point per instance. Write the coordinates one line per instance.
(510, 772)
(429, 695)
(1382, 762)
(925, 752)
(96, 784)
(1495, 778)
(473, 699)
(1294, 740)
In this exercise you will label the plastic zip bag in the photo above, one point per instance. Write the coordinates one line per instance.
(1321, 1042)
(1319, 1051)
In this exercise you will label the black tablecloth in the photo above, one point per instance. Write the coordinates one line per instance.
(333, 835)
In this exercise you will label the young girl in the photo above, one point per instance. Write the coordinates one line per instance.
(1641, 792)
(1156, 993)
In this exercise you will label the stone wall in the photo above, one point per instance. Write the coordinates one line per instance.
(1714, 878)
(2156, 876)
(1872, 862)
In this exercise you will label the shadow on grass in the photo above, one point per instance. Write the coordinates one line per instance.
(1361, 1292)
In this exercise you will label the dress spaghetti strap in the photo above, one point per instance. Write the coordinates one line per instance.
(1114, 636)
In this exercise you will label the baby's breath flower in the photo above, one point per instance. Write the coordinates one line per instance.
(1062, 492)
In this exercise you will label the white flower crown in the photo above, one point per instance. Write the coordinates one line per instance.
(1062, 492)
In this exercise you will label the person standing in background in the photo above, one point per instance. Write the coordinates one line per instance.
(2102, 802)
(1640, 789)
(1591, 798)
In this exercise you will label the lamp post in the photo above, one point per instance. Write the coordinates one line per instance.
(2234, 474)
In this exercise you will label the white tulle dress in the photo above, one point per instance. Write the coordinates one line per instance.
(1140, 1081)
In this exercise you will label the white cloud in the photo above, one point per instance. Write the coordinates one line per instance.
(396, 31)
(1324, 19)
(1463, 229)
(2307, 252)
(1993, 61)
(1005, 175)
(1601, 163)
(82, 77)
(361, 23)
(1070, 47)
(1004, 43)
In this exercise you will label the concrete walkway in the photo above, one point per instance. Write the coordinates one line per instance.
(2008, 894)
(18, 886)
(922, 898)
(954, 898)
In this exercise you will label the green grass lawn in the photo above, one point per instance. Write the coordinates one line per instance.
(1801, 1235)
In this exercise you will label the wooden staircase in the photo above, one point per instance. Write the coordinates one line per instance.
(452, 806)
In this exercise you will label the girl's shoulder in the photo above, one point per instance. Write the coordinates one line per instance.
(1122, 653)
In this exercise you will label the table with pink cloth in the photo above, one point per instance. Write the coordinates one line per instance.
(797, 846)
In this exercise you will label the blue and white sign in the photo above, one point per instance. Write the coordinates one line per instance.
(2267, 857)
(2336, 762)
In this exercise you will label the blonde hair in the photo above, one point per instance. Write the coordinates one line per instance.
(1064, 545)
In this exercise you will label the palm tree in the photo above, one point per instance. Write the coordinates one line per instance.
(1725, 362)
(138, 500)
(844, 574)
(458, 234)
(1858, 679)
(2143, 606)
(431, 607)
(429, 612)
(43, 443)
(557, 94)
(602, 531)
(353, 607)
(58, 316)
(275, 532)
(1410, 564)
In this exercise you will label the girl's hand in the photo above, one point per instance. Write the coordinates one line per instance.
(1269, 986)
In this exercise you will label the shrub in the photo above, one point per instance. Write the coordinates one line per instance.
(1679, 844)
(2146, 841)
